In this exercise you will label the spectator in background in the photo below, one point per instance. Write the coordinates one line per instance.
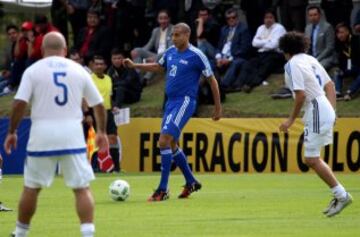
(42, 27)
(160, 40)
(348, 51)
(126, 83)
(322, 38)
(59, 17)
(76, 57)
(268, 58)
(233, 48)
(104, 84)
(94, 39)
(254, 11)
(292, 14)
(337, 11)
(207, 32)
(17, 55)
(77, 10)
(12, 32)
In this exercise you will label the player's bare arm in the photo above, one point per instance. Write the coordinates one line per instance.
(18, 110)
(151, 67)
(216, 95)
(87, 114)
(331, 93)
(101, 139)
(299, 101)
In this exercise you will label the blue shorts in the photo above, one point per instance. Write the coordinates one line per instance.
(177, 113)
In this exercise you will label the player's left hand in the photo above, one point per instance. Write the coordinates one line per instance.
(217, 114)
(286, 125)
(10, 142)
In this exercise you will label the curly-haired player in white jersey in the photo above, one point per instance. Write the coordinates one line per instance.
(313, 91)
(55, 87)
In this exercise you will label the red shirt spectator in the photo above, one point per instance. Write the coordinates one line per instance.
(42, 26)
(21, 47)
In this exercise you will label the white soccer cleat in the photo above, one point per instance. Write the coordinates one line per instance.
(337, 205)
(332, 203)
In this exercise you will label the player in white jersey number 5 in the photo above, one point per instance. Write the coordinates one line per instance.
(55, 87)
(315, 93)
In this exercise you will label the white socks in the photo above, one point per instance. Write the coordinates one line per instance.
(21, 229)
(87, 229)
(339, 191)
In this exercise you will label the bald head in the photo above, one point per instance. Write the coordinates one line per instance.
(183, 27)
(53, 43)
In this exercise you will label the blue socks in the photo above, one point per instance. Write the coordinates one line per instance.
(181, 161)
(166, 157)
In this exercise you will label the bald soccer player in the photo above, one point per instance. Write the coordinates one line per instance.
(183, 64)
(55, 87)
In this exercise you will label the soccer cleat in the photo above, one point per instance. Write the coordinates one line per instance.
(3, 208)
(189, 189)
(337, 205)
(332, 203)
(159, 195)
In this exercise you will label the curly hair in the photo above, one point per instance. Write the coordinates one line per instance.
(294, 43)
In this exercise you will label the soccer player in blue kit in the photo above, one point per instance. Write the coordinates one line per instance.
(184, 64)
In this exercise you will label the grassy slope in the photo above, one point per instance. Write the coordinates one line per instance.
(229, 205)
(256, 104)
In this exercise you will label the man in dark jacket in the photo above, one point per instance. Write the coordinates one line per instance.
(348, 52)
(234, 46)
(94, 39)
(126, 81)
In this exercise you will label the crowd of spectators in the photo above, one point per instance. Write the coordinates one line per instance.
(240, 38)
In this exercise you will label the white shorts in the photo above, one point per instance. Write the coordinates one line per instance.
(40, 171)
(313, 142)
(319, 121)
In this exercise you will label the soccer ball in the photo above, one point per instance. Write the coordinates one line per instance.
(119, 190)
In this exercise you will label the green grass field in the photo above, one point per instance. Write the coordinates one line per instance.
(228, 205)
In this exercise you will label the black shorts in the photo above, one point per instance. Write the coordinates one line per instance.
(111, 128)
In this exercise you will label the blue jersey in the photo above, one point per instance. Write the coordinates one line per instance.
(183, 71)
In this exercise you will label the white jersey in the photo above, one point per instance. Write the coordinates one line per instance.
(55, 87)
(304, 72)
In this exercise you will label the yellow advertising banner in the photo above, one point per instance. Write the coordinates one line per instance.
(243, 145)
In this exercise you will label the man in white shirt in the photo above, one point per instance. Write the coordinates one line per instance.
(55, 87)
(307, 79)
(268, 59)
